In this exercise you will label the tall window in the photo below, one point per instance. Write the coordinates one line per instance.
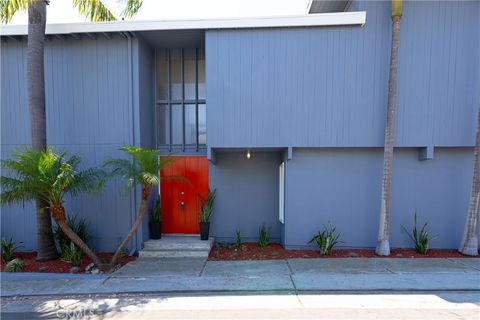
(180, 98)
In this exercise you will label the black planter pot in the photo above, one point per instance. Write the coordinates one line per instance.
(204, 230)
(155, 230)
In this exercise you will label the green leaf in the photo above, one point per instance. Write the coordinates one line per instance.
(94, 10)
(8, 8)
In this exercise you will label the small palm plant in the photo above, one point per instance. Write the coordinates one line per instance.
(49, 176)
(420, 239)
(143, 169)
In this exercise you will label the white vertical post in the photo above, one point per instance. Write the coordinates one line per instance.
(281, 193)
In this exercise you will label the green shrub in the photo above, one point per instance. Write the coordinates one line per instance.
(8, 248)
(79, 226)
(420, 239)
(206, 207)
(326, 240)
(263, 237)
(155, 214)
(16, 265)
(238, 239)
(72, 254)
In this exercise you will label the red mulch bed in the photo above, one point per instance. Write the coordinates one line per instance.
(57, 265)
(251, 251)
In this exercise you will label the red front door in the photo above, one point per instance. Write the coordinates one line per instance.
(180, 201)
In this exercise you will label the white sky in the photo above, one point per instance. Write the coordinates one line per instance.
(62, 11)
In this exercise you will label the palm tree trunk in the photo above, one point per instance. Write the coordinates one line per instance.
(37, 15)
(58, 213)
(469, 244)
(46, 249)
(136, 225)
(383, 245)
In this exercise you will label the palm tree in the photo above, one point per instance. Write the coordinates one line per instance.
(469, 244)
(94, 10)
(49, 177)
(383, 245)
(144, 170)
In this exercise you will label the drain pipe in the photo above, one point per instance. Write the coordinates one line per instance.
(133, 195)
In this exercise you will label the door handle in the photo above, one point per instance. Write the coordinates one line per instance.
(182, 205)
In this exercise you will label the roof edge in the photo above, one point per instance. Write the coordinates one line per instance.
(319, 19)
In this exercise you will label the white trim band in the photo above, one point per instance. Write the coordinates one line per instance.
(318, 19)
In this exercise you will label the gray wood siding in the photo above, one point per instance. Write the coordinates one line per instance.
(327, 86)
(89, 113)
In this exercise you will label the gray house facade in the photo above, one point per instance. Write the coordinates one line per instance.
(283, 116)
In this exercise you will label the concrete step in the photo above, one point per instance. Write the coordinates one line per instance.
(180, 243)
(177, 246)
(173, 254)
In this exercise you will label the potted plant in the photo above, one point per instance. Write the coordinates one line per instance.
(156, 221)
(206, 208)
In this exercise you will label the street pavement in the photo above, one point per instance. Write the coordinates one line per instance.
(369, 306)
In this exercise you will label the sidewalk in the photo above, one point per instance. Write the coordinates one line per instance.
(293, 275)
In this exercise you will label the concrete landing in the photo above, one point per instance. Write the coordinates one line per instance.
(177, 246)
(144, 267)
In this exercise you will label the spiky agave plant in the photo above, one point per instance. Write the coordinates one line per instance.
(49, 176)
(206, 207)
(142, 169)
(326, 239)
(420, 238)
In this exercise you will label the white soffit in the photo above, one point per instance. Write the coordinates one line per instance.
(319, 19)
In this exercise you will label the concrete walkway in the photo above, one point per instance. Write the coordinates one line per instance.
(293, 275)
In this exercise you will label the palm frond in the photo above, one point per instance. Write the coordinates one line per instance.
(94, 10)
(45, 175)
(166, 161)
(14, 191)
(151, 179)
(24, 163)
(121, 167)
(8, 8)
(89, 180)
(146, 162)
(131, 8)
(146, 159)
(181, 178)
(144, 168)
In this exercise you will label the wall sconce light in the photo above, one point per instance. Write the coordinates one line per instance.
(248, 155)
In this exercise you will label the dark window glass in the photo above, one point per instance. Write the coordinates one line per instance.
(176, 73)
(202, 124)
(190, 124)
(177, 120)
(201, 74)
(189, 74)
(162, 74)
(163, 123)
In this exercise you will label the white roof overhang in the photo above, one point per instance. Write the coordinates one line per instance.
(310, 20)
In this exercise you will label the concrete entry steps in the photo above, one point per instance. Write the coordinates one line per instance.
(177, 246)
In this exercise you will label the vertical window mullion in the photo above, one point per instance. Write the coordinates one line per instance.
(183, 97)
(169, 101)
(155, 111)
(196, 99)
